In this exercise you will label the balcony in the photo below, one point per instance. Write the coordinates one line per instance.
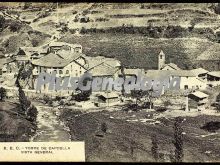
(213, 83)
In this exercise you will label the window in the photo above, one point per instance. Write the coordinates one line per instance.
(60, 72)
(76, 74)
(67, 71)
(161, 56)
(186, 87)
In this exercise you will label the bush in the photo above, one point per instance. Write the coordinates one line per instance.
(82, 96)
(35, 42)
(46, 99)
(74, 12)
(212, 126)
(61, 102)
(104, 127)
(3, 93)
(161, 109)
(58, 98)
(32, 114)
(167, 103)
(15, 26)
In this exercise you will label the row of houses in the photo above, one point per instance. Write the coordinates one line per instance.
(68, 60)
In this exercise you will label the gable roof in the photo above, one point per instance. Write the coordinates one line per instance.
(167, 73)
(199, 94)
(172, 65)
(51, 60)
(95, 61)
(70, 55)
(199, 71)
(31, 50)
(60, 60)
(22, 58)
(59, 44)
(214, 73)
(102, 70)
(161, 52)
(132, 71)
(109, 95)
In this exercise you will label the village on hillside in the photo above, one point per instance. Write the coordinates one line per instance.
(68, 60)
(153, 88)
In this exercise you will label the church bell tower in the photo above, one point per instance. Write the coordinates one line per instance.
(161, 60)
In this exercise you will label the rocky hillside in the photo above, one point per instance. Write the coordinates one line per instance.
(120, 30)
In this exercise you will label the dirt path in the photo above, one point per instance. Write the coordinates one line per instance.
(50, 128)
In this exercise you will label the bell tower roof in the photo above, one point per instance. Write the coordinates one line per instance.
(161, 52)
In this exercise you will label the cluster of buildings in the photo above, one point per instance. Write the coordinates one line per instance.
(68, 60)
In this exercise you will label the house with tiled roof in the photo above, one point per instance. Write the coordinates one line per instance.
(95, 61)
(73, 65)
(103, 70)
(188, 79)
(54, 46)
(213, 78)
(101, 66)
(200, 72)
(26, 54)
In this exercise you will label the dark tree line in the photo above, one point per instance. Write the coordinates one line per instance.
(26, 108)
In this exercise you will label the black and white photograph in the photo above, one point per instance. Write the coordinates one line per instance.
(126, 82)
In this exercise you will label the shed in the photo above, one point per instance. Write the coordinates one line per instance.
(110, 97)
(199, 99)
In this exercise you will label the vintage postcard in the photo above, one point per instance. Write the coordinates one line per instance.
(109, 82)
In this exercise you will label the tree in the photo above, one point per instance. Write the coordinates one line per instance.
(178, 139)
(83, 30)
(217, 8)
(3, 93)
(24, 102)
(218, 98)
(138, 94)
(123, 76)
(218, 102)
(2, 22)
(154, 148)
(27, 5)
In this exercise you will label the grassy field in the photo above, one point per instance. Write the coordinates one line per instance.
(131, 140)
(14, 127)
(140, 51)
